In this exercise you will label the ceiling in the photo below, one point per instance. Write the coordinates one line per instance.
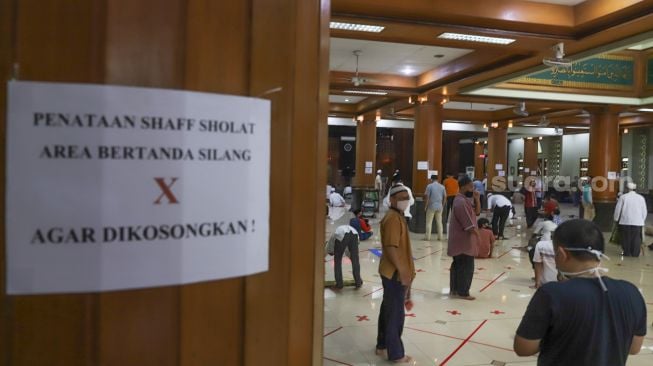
(407, 60)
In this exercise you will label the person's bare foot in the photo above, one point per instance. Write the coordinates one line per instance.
(405, 359)
(381, 352)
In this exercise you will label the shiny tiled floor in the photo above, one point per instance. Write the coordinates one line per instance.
(443, 331)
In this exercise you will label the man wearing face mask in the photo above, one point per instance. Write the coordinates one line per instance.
(588, 319)
(463, 238)
(397, 271)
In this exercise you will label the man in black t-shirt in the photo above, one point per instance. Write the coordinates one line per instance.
(588, 319)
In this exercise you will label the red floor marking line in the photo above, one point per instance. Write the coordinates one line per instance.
(462, 344)
(336, 361)
(510, 250)
(493, 281)
(331, 332)
(378, 289)
(430, 254)
(460, 339)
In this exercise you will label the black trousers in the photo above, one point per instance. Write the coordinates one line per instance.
(460, 276)
(531, 216)
(350, 241)
(448, 210)
(631, 240)
(391, 318)
(499, 217)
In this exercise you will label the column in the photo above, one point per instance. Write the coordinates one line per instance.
(530, 156)
(479, 160)
(497, 154)
(365, 160)
(272, 318)
(427, 147)
(365, 152)
(604, 158)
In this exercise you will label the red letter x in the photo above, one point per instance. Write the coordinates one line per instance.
(165, 188)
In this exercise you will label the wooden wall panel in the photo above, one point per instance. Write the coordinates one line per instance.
(277, 302)
(145, 42)
(6, 58)
(273, 318)
(53, 40)
(217, 60)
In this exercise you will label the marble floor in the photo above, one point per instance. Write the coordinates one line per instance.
(444, 331)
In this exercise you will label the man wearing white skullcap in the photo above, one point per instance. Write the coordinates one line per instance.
(397, 271)
(630, 213)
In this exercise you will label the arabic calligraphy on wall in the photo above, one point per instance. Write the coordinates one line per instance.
(605, 72)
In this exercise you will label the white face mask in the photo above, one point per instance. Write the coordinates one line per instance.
(403, 205)
(596, 270)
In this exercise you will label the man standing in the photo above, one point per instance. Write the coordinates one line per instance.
(435, 196)
(411, 201)
(586, 199)
(480, 188)
(500, 206)
(630, 213)
(451, 186)
(530, 202)
(378, 183)
(564, 318)
(397, 272)
(463, 239)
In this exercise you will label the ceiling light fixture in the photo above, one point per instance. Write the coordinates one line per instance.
(494, 124)
(484, 125)
(475, 38)
(407, 70)
(356, 27)
(366, 92)
(625, 131)
(645, 109)
(510, 124)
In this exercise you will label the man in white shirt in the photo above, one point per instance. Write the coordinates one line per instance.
(411, 201)
(345, 238)
(545, 228)
(500, 206)
(545, 264)
(336, 199)
(630, 214)
(378, 183)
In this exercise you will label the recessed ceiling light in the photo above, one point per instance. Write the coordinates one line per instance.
(346, 100)
(407, 70)
(356, 27)
(474, 38)
(366, 92)
(645, 109)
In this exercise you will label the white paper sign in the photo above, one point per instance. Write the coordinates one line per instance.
(368, 170)
(429, 173)
(368, 164)
(612, 175)
(527, 170)
(422, 165)
(533, 172)
(498, 166)
(117, 187)
(502, 173)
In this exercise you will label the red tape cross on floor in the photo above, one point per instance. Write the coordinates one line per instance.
(462, 344)
(362, 318)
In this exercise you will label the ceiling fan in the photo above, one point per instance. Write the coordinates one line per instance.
(358, 80)
(520, 109)
(543, 121)
(559, 60)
